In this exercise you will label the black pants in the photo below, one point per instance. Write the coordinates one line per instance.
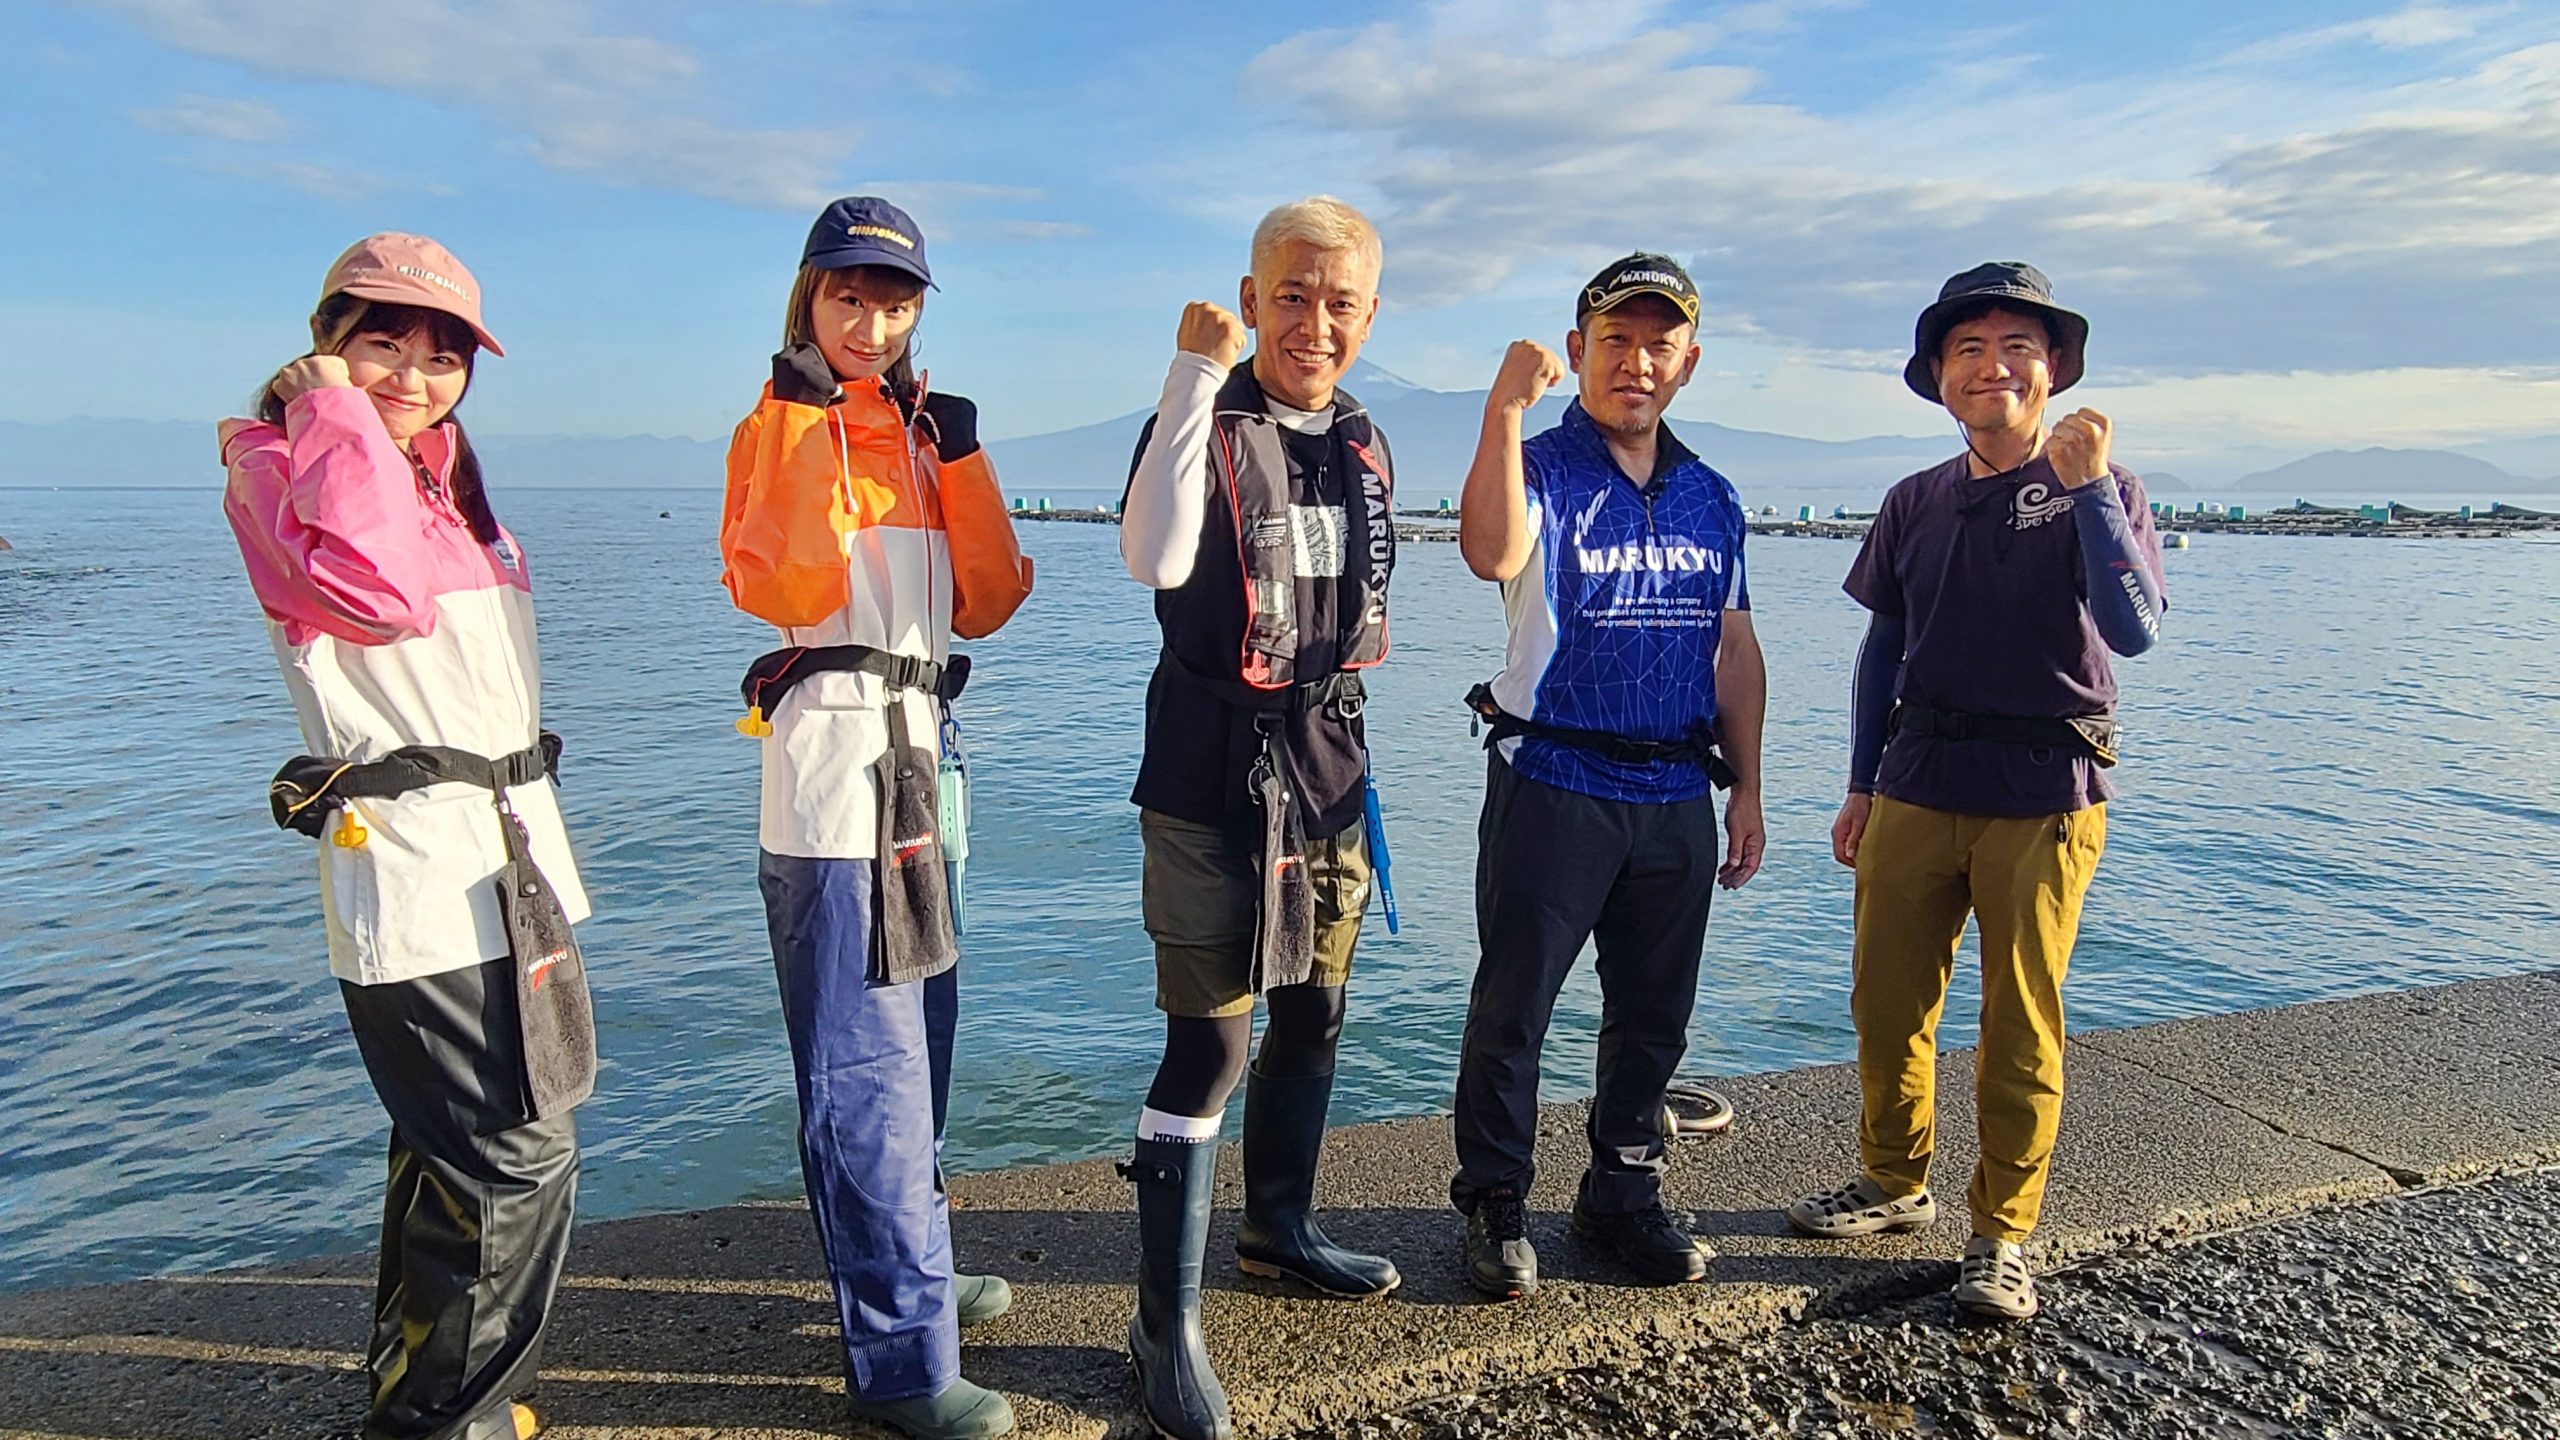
(1555, 868)
(475, 1225)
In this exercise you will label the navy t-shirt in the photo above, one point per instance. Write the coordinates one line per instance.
(1987, 576)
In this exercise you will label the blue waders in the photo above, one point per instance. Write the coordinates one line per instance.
(862, 1054)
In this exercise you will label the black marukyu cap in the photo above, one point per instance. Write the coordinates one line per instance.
(866, 230)
(1638, 274)
(2004, 285)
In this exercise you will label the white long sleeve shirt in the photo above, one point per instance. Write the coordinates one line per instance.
(1169, 493)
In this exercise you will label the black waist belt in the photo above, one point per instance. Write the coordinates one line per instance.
(1343, 690)
(2092, 735)
(1696, 749)
(774, 675)
(309, 787)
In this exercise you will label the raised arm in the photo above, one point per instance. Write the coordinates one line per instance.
(783, 519)
(1493, 512)
(1169, 488)
(326, 513)
(2120, 559)
(990, 576)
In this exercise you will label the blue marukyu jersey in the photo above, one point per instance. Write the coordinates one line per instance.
(1616, 617)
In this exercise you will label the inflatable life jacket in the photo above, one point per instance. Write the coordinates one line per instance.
(1253, 463)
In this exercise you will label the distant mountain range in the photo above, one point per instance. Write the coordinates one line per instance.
(1433, 433)
(2377, 471)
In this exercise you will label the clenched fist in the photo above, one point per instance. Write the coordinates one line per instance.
(2078, 448)
(1528, 368)
(311, 372)
(1211, 331)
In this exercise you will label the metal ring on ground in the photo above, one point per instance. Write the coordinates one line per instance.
(1689, 1109)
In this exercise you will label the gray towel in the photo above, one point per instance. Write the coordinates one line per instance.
(911, 927)
(1285, 939)
(552, 1003)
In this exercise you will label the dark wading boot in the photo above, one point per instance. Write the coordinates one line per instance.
(1283, 1131)
(1178, 1390)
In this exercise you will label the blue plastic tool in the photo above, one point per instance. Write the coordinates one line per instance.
(1379, 864)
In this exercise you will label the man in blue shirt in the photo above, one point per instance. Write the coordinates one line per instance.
(1632, 687)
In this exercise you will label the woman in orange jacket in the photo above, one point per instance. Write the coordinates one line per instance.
(863, 522)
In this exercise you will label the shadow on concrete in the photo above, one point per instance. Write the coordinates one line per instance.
(721, 1322)
(738, 1334)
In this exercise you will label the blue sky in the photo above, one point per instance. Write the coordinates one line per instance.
(2292, 224)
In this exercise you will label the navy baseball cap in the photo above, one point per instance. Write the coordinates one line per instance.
(1642, 273)
(866, 230)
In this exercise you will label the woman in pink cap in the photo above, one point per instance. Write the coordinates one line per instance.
(402, 614)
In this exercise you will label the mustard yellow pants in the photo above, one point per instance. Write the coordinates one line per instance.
(1920, 873)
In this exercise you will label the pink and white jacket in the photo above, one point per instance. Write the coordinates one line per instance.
(395, 626)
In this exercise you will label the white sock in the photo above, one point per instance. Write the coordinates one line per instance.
(1154, 1124)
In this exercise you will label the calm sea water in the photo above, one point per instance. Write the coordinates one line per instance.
(2339, 780)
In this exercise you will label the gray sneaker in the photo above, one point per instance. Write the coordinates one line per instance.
(1994, 1281)
(1860, 1207)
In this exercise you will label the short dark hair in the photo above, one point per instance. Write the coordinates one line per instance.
(1972, 310)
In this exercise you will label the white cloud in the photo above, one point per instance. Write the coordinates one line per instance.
(618, 106)
(2413, 227)
(245, 122)
(1042, 229)
(2412, 27)
(330, 182)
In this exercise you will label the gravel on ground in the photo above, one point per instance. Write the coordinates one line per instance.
(2431, 1315)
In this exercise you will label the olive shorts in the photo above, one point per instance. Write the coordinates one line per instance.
(1201, 895)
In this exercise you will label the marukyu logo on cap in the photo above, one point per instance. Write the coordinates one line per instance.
(879, 232)
(1659, 282)
(1652, 277)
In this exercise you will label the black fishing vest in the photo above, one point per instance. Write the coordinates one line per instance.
(1250, 458)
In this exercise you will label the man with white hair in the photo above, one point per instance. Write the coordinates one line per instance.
(1259, 511)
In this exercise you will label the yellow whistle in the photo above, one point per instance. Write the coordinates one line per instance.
(754, 724)
(349, 834)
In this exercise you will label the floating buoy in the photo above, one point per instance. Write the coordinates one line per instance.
(2174, 540)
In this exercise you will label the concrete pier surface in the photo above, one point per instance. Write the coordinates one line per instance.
(717, 1323)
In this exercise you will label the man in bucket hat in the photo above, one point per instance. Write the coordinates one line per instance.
(1982, 725)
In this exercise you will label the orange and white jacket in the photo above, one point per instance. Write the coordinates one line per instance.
(844, 526)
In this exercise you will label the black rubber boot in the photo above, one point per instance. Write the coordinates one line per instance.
(1283, 1131)
(1179, 1391)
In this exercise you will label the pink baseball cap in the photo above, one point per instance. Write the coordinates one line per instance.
(410, 270)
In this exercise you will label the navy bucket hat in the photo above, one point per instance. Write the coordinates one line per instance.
(2010, 285)
(866, 230)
